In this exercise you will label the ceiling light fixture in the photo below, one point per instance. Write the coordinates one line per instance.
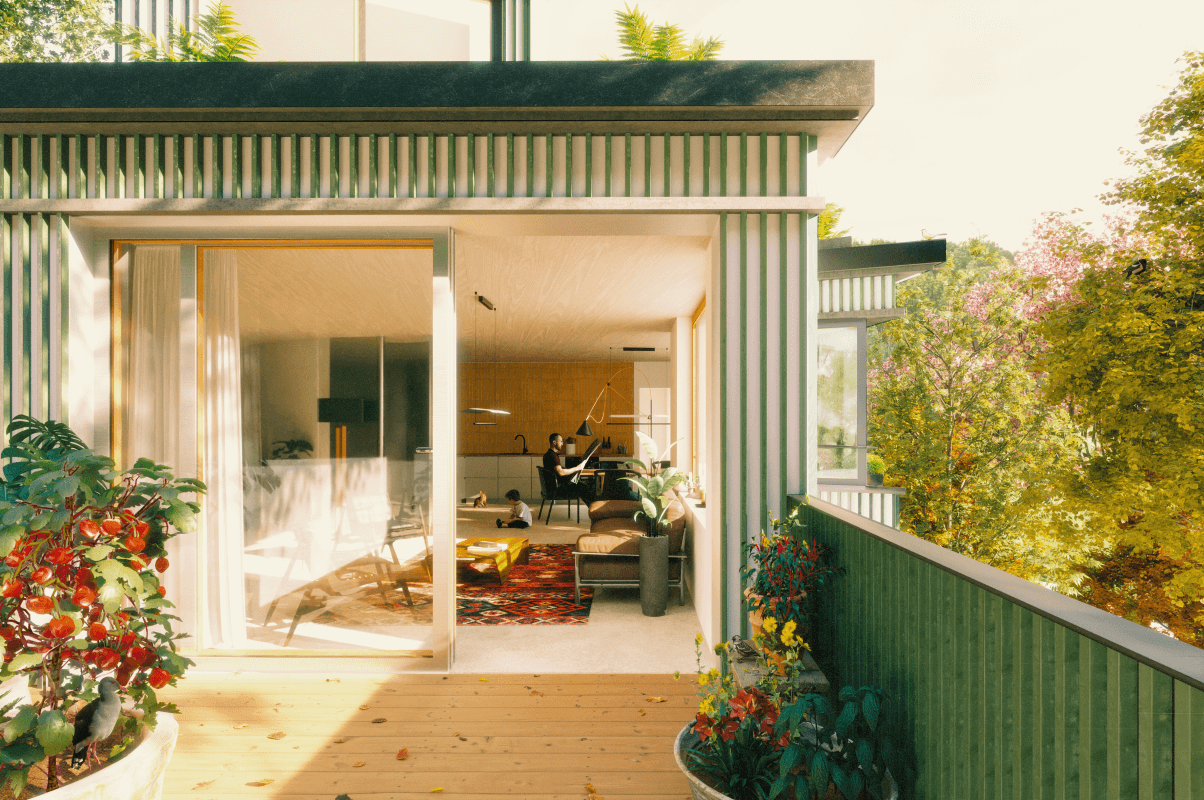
(475, 351)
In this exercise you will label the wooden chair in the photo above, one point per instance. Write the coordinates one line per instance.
(550, 491)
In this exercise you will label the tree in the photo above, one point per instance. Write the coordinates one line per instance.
(642, 41)
(829, 222)
(54, 30)
(215, 37)
(956, 412)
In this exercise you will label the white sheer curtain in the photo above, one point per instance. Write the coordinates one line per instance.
(223, 459)
(152, 423)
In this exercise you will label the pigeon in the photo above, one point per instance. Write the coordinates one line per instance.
(95, 722)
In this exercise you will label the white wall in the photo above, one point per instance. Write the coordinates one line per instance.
(292, 378)
(681, 376)
(654, 394)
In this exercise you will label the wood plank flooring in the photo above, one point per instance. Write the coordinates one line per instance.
(544, 737)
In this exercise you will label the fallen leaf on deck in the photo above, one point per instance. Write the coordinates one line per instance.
(592, 792)
(236, 727)
(343, 797)
(437, 789)
(642, 713)
(332, 680)
(202, 785)
(403, 754)
(677, 675)
(655, 699)
(365, 707)
(536, 694)
(339, 741)
(464, 738)
(263, 782)
(589, 787)
(359, 763)
(483, 679)
(277, 735)
(379, 720)
(457, 733)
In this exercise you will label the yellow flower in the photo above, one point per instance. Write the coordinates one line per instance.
(702, 679)
(698, 638)
(769, 625)
(707, 706)
(788, 637)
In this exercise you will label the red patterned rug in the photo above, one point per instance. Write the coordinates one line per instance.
(538, 593)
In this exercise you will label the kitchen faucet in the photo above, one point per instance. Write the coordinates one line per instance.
(524, 438)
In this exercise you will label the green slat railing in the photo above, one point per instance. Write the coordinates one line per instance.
(1001, 688)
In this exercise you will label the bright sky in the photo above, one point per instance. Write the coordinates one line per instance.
(987, 113)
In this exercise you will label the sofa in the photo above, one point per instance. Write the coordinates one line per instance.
(609, 555)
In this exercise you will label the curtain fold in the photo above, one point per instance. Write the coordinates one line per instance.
(152, 408)
(223, 454)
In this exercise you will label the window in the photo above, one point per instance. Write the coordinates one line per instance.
(699, 386)
(841, 410)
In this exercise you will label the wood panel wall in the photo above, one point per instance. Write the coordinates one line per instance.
(542, 398)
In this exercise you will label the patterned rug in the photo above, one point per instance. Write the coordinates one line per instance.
(538, 593)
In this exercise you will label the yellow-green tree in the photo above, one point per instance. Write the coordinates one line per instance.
(54, 30)
(643, 41)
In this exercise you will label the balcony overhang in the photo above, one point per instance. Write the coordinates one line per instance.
(827, 99)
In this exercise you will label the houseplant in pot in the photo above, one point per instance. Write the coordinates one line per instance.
(657, 492)
(81, 597)
(875, 468)
(783, 572)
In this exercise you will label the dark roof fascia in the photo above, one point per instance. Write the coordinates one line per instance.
(883, 257)
(718, 91)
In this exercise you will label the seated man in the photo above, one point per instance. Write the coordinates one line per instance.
(552, 462)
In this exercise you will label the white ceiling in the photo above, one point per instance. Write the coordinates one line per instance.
(558, 298)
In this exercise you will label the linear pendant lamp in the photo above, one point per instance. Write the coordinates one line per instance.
(475, 410)
(586, 430)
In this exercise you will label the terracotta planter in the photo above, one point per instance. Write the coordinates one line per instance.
(137, 776)
(701, 791)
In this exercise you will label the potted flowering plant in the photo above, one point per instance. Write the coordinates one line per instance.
(657, 490)
(81, 596)
(784, 570)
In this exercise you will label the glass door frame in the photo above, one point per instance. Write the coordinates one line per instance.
(443, 382)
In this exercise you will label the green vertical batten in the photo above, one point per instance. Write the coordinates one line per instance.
(1189, 742)
(685, 170)
(159, 164)
(783, 185)
(470, 181)
(744, 165)
(412, 173)
(217, 165)
(549, 169)
(61, 238)
(627, 165)
(256, 165)
(430, 164)
(26, 290)
(665, 167)
(743, 334)
(236, 165)
(353, 165)
(530, 165)
(336, 162)
(6, 324)
(647, 165)
(21, 185)
(45, 339)
(490, 176)
(275, 167)
(294, 164)
(62, 165)
(373, 168)
(588, 191)
(763, 378)
(764, 159)
(392, 165)
(100, 146)
(609, 161)
(706, 165)
(177, 165)
(724, 568)
(7, 183)
(568, 166)
(510, 165)
(783, 362)
(139, 145)
(198, 165)
(315, 165)
(1156, 733)
(723, 165)
(42, 167)
(81, 165)
(451, 165)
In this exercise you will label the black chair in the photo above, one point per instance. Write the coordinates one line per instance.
(550, 490)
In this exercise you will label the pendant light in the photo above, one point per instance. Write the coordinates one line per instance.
(475, 410)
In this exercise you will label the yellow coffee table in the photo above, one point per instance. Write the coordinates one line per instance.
(518, 551)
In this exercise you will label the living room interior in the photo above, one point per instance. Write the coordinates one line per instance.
(548, 347)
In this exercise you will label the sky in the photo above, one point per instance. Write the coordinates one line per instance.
(987, 114)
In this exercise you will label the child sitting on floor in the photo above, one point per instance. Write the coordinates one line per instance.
(520, 512)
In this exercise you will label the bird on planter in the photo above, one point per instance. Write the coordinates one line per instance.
(95, 722)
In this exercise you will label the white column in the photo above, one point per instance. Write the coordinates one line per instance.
(680, 379)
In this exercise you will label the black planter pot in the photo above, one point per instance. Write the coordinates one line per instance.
(654, 575)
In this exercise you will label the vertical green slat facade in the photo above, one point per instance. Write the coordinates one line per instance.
(256, 165)
(353, 166)
(991, 699)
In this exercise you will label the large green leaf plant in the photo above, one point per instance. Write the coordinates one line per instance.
(655, 486)
(81, 594)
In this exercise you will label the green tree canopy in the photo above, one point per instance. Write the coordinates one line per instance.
(54, 30)
(829, 222)
(215, 37)
(643, 41)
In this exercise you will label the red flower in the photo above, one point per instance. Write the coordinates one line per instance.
(127, 639)
(60, 627)
(84, 596)
(159, 677)
(729, 730)
(161, 564)
(42, 575)
(111, 526)
(89, 528)
(138, 563)
(141, 528)
(60, 555)
(105, 658)
(135, 544)
(97, 631)
(703, 726)
(140, 657)
(39, 605)
(11, 588)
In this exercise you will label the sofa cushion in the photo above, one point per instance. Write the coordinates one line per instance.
(606, 509)
(611, 536)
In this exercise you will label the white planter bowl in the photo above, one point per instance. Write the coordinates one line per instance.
(138, 776)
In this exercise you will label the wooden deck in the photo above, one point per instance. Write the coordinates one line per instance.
(519, 736)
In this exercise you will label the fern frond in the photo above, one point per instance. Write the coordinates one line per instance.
(635, 33)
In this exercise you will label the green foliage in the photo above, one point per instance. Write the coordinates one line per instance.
(785, 571)
(956, 409)
(970, 262)
(829, 222)
(643, 41)
(215, 37)
(655, 486)
(291, 448)
(54, 30)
